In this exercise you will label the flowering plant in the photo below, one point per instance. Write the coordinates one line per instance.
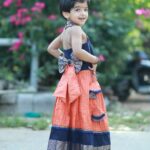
(143, 25)
(31, 23)
(143, 11)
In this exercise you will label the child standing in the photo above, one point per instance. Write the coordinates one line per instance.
(79, 119)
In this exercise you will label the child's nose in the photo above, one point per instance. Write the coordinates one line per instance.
(83, 12)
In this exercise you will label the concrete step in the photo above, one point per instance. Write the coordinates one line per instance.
(29, 102)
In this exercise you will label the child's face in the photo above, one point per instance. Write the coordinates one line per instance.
(79, 13)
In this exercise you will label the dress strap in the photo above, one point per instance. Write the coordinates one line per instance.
(69, 24)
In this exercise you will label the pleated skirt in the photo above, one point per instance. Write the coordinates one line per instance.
(82, 124)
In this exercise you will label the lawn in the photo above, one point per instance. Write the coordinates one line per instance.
(118, 120)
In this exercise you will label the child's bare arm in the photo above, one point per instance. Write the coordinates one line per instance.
(76, 41)
(54, 46)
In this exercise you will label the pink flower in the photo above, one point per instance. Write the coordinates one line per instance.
(101, 57)
(19, 3)
(23, 10)
(142, 11)
(20, 35)
(17, 22)
(40, 5)
(52, 17)
(25, 20)
(15, 46)
(139, 11)
(59, 30)
(147, 13)
(7, 3)
(13, 19)
(36, 9)
(28, 19)
(21, 18)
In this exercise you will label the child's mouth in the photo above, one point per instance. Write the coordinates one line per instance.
(82, 19)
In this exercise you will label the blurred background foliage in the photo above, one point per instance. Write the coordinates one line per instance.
(113, 27)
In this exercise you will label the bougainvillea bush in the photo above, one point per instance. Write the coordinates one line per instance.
(32, 23)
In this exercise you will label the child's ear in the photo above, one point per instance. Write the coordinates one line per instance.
(66, 15)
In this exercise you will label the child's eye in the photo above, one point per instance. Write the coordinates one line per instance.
(77, 9)
(85, 9)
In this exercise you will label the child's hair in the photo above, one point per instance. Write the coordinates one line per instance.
(67, 5)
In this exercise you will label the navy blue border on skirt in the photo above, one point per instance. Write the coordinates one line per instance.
(79, 136)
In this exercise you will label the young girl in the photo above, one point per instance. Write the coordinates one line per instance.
(79, 119)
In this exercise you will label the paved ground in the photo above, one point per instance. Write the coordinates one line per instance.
(138, 102)
(26, 139)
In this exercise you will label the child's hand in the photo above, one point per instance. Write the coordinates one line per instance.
(93, 68)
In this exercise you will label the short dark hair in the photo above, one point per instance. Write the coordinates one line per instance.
(67, 5)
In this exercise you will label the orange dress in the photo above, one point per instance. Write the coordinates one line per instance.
(79, 120)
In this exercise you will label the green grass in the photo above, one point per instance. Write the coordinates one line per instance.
(118, 120)
(12, 122)
(16, 121)
(129, 120)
